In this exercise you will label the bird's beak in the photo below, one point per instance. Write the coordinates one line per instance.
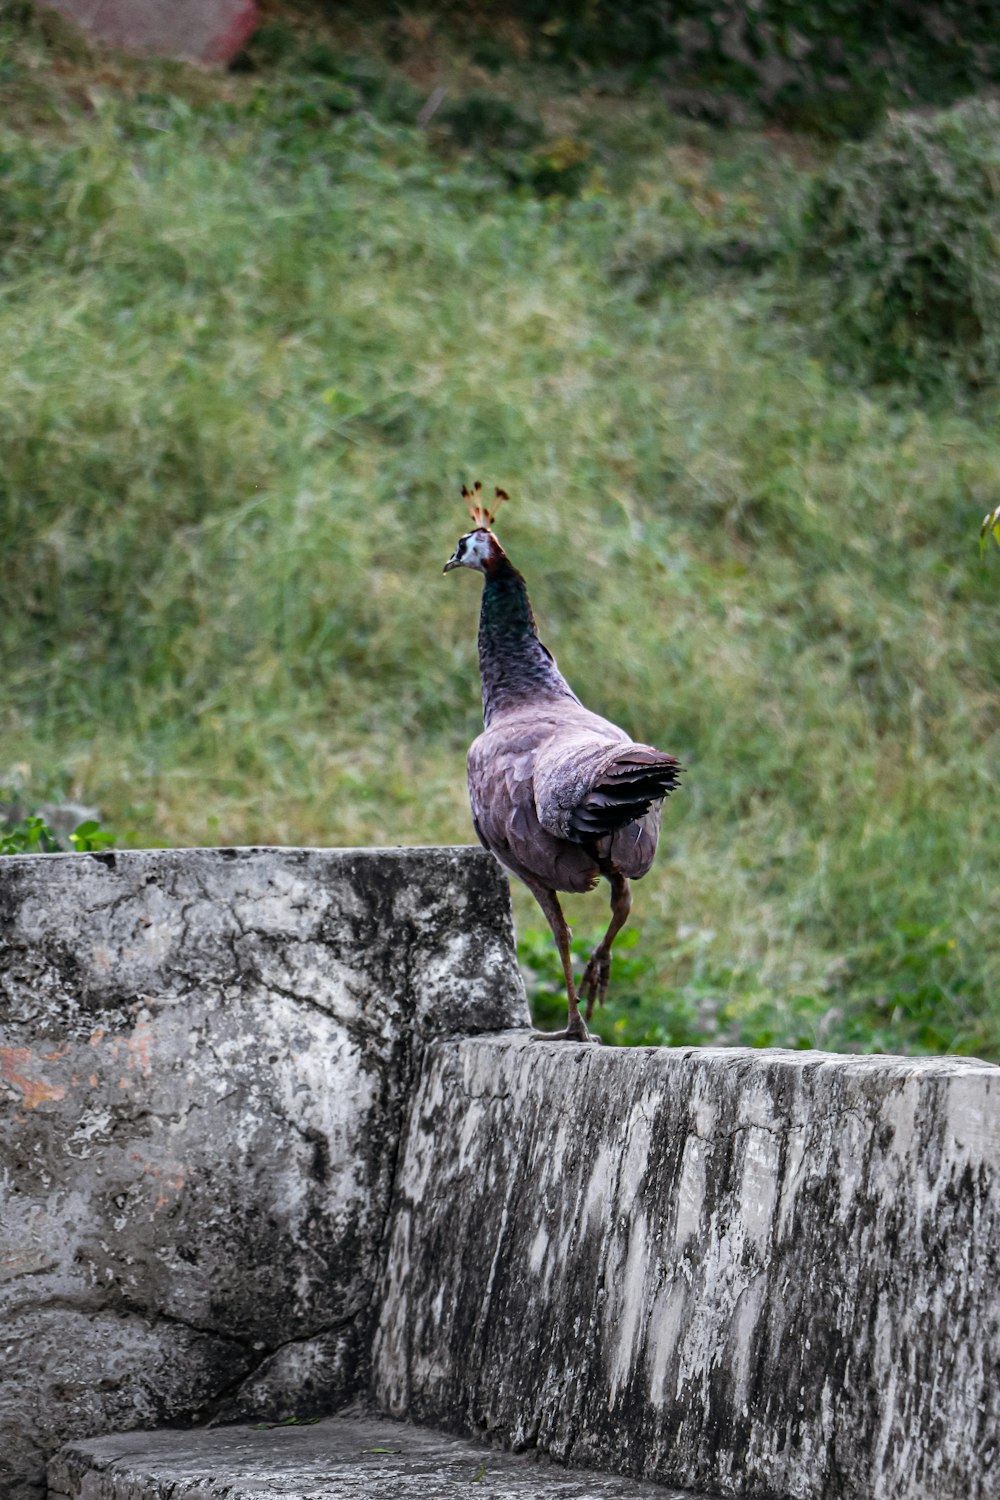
(452, 562)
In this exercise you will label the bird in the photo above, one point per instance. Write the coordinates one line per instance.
(559, 795)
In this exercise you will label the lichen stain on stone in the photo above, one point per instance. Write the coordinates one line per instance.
(759, 1187)
(668, 1316)
(690, 1194)
(33, 1091)
(158, 1183)
(631, 1306)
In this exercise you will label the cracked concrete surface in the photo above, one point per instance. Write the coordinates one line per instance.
(205, 1061)
(766, 1274)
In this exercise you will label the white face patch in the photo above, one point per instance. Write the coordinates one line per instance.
(471, 551)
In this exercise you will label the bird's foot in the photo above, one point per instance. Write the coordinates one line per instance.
(594, 984)
(576, 1031)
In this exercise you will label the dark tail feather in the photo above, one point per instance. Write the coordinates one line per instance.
(626, 791)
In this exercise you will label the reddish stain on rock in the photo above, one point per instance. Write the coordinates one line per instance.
(33, 1091)
(202, 31)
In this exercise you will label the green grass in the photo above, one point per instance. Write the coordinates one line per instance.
(249, 350)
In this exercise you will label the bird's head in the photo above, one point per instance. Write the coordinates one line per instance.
(478, 548)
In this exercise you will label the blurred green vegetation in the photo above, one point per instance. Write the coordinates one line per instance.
(828, 66)
(903, 231)
(990, 527)
(255, 333)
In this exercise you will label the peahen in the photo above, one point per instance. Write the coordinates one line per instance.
(559, 795)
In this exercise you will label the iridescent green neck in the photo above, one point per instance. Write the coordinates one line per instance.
(514, 665)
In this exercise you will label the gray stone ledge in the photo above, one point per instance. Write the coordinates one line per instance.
(344, 1458)
(84, 939)
(762, 1273)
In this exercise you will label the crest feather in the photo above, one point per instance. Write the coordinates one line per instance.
(482, 519)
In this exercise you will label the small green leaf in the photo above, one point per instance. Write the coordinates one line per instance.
(90, 836)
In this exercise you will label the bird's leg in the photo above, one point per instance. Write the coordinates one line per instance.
(594, 984)
(575, 1031)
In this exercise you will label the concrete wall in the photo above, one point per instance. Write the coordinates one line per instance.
(205, 1061)
(251, 1163)
(763, 1274)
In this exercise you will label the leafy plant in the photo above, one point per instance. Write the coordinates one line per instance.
(32, 835)
(990, 527)
(90, 836)
(905, 231)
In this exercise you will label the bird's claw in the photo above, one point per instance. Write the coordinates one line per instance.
(594, 984)
(572, 1033)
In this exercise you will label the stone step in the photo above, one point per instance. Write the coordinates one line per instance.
(339, 1458)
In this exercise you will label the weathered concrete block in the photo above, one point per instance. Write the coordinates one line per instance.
(770, 1274)
(205, 1061)
(204, 31)
(345, 1458)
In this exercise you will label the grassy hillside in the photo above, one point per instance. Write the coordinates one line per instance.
(252, 340)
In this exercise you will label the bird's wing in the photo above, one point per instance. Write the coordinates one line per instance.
(587, 788)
